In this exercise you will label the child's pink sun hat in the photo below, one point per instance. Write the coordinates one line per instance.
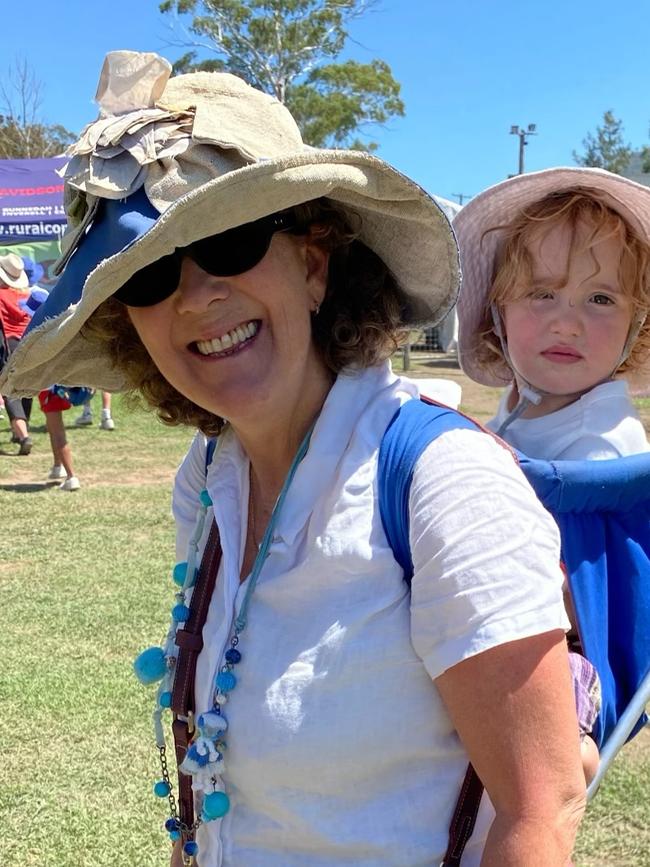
(498, 206)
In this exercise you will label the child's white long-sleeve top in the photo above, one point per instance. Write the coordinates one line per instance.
(602, 424)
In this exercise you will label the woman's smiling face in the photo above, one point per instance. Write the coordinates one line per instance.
(567, 331)
(240, 345)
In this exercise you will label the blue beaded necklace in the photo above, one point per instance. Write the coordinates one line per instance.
(204, 759)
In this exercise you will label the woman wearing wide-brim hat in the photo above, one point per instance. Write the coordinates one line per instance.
(14, 287)
(255, 288)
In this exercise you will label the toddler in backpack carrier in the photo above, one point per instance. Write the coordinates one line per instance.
(554, 306)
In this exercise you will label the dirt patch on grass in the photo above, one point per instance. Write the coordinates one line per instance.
(154, 475)
(476, 400)
(28, 479)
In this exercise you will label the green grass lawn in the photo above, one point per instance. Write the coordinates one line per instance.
(86, 583)
(86, 579)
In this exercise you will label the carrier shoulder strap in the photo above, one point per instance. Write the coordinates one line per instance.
(416, 424)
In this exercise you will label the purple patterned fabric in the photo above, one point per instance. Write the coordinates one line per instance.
(586, 688)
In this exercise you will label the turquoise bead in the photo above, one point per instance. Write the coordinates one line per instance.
(174, 836)
(226, 681)
(150, 665)
(206, 499)
(161, 789)
(180, 613)
(215, 805)
(165, 699)
(179, 572)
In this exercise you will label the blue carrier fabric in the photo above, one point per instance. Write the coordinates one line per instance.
(603, 511)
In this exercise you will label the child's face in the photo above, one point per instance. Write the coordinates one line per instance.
(565, 341)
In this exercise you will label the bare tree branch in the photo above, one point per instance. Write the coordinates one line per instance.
(22, 134)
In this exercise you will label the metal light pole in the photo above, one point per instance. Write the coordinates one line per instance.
(523, 141)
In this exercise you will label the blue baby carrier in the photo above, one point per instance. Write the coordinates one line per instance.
(603, 511)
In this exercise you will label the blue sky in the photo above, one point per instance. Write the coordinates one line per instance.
(469, 69)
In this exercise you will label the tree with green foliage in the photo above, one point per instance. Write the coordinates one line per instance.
(644, 153)
(287, 48)
(606, 149)
(22, 134)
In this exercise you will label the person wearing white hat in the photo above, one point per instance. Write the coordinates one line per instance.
(555, 304)
(14, 286)
(254, 288)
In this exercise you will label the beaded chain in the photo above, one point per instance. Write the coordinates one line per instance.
(204, 759)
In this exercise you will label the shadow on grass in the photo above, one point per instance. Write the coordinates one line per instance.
(27, 487)
(444, 361)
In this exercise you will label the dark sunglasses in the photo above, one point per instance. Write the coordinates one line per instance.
(224, 255)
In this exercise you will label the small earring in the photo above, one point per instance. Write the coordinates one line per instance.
(316, 311)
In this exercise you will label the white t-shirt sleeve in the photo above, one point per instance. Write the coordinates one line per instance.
(188, 484)
(485, 552)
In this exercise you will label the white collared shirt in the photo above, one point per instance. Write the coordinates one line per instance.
(340, 751)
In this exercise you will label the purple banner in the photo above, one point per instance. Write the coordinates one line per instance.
(31, 200)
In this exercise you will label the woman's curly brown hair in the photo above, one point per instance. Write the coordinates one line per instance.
(513, 267)
(360, 321)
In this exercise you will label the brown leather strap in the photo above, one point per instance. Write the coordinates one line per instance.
(464, 818)
(190, 639)
(182, 739)
(190, 643)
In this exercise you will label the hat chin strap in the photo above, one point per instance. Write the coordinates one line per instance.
(632, 334)
(530, 395)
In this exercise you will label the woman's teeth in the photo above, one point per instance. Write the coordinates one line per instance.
(228, 340)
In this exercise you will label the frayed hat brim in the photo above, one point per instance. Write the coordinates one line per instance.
(400, 222)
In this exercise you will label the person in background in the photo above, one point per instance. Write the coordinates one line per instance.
(106, 421)
(34, 271)
(4, 355)
(14, 285)
(53, 405)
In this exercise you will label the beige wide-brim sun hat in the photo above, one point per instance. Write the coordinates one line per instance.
(12, 272)
(498, 206)
(207, 153)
